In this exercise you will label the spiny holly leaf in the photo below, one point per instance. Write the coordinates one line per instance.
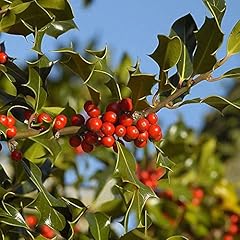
(37, 47)
(77, 64)
(99, 225)
(177, 238)
(126, 170)
(58, 4)
(57, 28)
(25, 19)
(233, 44)
(136, 234)
(4, 178)
(209, 38)
(217, 9)
(99, 54)
(168, 52)
(47, 140)
(49, 215)
(35, 84)
(141, 85)
(35, 176)
(115, 89)
(184, 28)
(95, 95)
(233, 73)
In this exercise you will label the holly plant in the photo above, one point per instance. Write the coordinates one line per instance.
(100, 127)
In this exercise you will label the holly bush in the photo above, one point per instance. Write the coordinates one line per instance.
(83, 154)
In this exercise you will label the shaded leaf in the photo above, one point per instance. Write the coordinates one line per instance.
(115, 89)
(217, 9)
(37, 47)
(177, 238)
(99, 225)
(58, 28)
(4, 178)
(184, 28)
(99, 54)
(141, 85)
(209, 38)
(233, 44)
(168, 52)
(95, 95)
(233, 73)
(136, 234)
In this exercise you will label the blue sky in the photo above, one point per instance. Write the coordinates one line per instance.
(132, 26)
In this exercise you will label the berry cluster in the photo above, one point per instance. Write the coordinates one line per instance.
(44, 230)
(197, 196)
(3, 57)
(150, 176)
(233, 228)
(115, 124)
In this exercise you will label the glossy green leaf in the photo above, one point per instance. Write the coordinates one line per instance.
(168, 52)
(35, 83)
(177, 238)
(217, 9)
(95, 95)
(99, 225)
(184, 28)
(115, 89)
(35, 176)
(57, 4)
(77, 64)
(101, 54)
(49, 215)
(35, 152)
(4, 178)
(233, 73)
(47, 140)
(19, 8)
(37, 47)
(209, 38)
(233, 44)
(141, 85)
(136, 234)
(126, 170)
(58, 28)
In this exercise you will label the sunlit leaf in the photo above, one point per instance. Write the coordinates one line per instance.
(209, 38)
(177, 238)
(168, 52)
(233, 44)
(99, 54)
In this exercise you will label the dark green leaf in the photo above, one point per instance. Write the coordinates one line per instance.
(217, 9)
(77, 64)
(233, 44)
(4, 178)
(209, 38)
(58, 28)
(99, 225)
(140, 85)
(136, 234)
(168, 52)
(177, 238)
(99, 54)
(184, 28)
(233, 73)
(37, 47)
(57, 4)
(114, 88)
(95, 95)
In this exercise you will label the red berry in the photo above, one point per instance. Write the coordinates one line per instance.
(234, 218)
(11, 132)
(120, 130)
(108, 129)
(31, 221)
(233, 229)
(198, 193)
(88, 105)
(75, 141)
(78, 150)
(154, 131)
(228, 237)
(108, 141)
(126, 105)
(113, 107)
(126, 120)
(90, 138)
(27, 114)
(47, 232)
(44, 117)
(143, 136)
(4, 120)
(94, 124)
(110, 116)
(77, 120)
(16, 155)
(60, 121)
(140, 143)
(86, 147)
(3, 57)
(11, 121)
(142, 124)
(94, 112)
(152, 118)
(132, 132)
